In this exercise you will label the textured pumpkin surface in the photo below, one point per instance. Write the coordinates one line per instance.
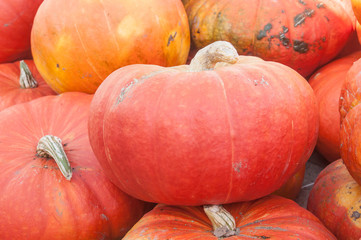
(76, 44)
(336, 200)
(292, 187)
(301, 34)
(16, 21)
(36, 201)
(350, 142)
(234, 133)
(11, 92)
(267, 218)
(327, 83)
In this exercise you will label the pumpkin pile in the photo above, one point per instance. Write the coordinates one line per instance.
(171, 119)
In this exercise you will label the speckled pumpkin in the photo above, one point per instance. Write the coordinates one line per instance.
(302, 34)
(336, 200)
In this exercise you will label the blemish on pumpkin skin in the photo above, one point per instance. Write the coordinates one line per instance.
(320, 5)
(263, 33)
(301, 17)
(300, 46)
(355, 215)
(171, 38)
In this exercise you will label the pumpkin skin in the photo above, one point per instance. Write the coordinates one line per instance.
(303, 35)
(356, 7)
(34, 194)
(12, 93)
(327, 83)
(16, 21)
(204, 137)
(268, 218)
(335, 200)
(292, 187)
(71, 58)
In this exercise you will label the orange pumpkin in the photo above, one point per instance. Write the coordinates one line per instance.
(300, 34)
(335, 200)
(327, 83)
(272, 217)
(51, 185)
(21, 82)
(76, 44)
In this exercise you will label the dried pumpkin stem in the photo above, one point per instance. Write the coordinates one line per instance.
(26, 78)
(51, 146)
(222, 221)
(217, 52)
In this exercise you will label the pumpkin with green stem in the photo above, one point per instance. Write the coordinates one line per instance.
(21, 82)
(271, 217)
(52, 186)
(223, 129)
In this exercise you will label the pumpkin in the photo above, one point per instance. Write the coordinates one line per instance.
(51, 185)
(300, 34)
(327, 83)
(335, 200)
(356, 7)
(76, 44)
(223, 129)
(292, 187)
(21, 82)
(267, 218)
(16, 21)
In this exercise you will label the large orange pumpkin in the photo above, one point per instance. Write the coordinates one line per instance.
(327, 83)
(16, 21)
(37, 201)
(268, 218)
(335, 200)
(223, 129)
(21, 82)
(76, 44)
(301, 34)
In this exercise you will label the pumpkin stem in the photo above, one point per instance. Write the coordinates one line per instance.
(217, 52)
(51, 147)
(223, 222)
(26, 78)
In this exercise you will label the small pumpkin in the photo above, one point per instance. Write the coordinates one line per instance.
(21, 82)
(336, 200)
(51, 185)
(16, 21)
(223, 129)
(303, 35)
(271, 217)
(327, 83)
(76, 44)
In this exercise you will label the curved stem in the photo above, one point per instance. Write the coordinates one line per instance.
(51, 146)
(26, 78)
(217, 52)
(222, 221)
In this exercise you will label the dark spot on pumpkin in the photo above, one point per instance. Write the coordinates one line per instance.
(302, 2)
(282, 11)
(285, 29)
(327, 18)
(355, 215)
(65, 144)
(198, 31)
(6, 24)
(263, 33)
(323, 39)
(301, 17)
(171, 38)
(320, 5)
(57, 65)
(264, 237)
(284, 40)
(300, 46)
